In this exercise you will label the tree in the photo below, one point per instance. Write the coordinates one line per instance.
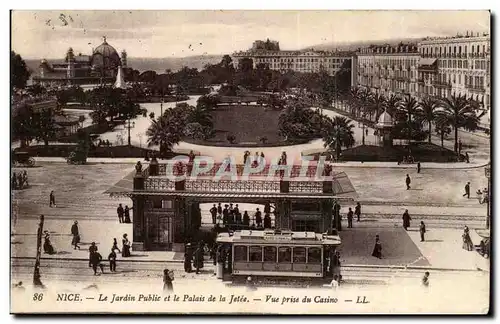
(19, 73)
(339, 133)
(23, 126)
(392, 104)
(168, 129)
(411, 107)
(378, 105)
(195, 131)
(442, 128)
(461, 113)
(45, 127)
(428, 110)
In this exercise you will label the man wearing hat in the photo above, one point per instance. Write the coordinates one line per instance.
(76, 235)
(92, 250)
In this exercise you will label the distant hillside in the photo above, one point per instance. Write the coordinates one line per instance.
(352, 46)
(156, 64)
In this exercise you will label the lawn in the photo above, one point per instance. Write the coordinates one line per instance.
(423, 152)
(246, 123)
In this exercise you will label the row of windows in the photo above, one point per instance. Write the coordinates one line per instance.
(283, 254)
(456, 49)
(464, 64)
(390, 61)
(268, 60)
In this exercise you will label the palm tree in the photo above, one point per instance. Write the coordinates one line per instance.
(461, 112)
(442, 122)
(339, 133)
(354, 99)
(168, 129)
(201, 115)
(410, 106)
(365, 97)
(392, 104)
(428, 112)
(379, 103)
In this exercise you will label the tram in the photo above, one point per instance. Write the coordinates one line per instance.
(277, 255)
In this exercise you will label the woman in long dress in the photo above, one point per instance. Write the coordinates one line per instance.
(377, 249)
(467, 241)
(406, 220)
(126, 246)
(168, 277)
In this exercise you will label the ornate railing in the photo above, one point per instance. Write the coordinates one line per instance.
(186, 169)
(159, 184)
(232, 186)
(306, 186)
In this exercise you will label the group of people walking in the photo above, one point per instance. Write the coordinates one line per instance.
(337, 217)
(20, 180)
(95, 258)
(231, 217)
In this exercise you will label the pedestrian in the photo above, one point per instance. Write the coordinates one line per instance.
(92, 249)
(246, 218)
(115, 246)
(219, 210)
(467, 241)
(112, 261)
(52, 199)
(357, 210)
(406, 220)
(422, 231)
(47, 245)
(76, 236)
(236, 210)
(95, 261)
(250, 284)
(125, 246)
(467, 157)
(120, 213)
(418, 167)
(126, 215)
(425, 279)
(350, 215)
(267, 221)
(213, 211)
(225, 215)
(467, 190)
(168, 277)
(25, 178)
(258, 218)
(188, 257)
(377, 249)
(198, 258)
(408, 182)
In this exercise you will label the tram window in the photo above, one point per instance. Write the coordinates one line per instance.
(314, 255)
(299, 255)
(270, 254)
(240, 253)
(284, 255)
(255, 253)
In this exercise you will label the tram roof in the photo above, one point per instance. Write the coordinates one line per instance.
(284, 237)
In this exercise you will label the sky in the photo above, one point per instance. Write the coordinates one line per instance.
(160, 34)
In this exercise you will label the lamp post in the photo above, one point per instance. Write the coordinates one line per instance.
(161, 106)
(129, 127)
(487, 173)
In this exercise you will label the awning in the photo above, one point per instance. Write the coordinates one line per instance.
(426, 61)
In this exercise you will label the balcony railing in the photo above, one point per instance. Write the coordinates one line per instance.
(441, 84)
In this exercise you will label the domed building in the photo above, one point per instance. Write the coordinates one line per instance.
(99, 67)
(384, 127)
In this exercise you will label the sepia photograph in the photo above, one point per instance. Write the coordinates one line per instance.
(288, 162)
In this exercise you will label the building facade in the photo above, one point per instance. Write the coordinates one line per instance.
(461, 66)
(101, 66)
(434, 67)
(298, 61)
(389, 69)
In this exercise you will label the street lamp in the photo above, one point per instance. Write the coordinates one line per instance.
(487, 173)
(161, 106)
(129, 127)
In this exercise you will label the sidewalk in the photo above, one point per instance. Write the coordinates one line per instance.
(102, 233)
